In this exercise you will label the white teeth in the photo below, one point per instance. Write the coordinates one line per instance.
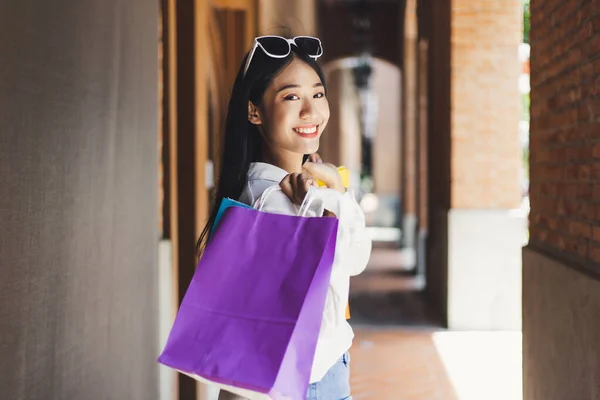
(306, 131)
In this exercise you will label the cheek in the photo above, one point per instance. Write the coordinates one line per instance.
(285, 115)
(279, 119)
(324, 111)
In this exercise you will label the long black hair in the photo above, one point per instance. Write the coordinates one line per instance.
(242, 143)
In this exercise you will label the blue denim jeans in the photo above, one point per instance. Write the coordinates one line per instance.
(335, 385)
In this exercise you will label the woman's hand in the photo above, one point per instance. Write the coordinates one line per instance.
(295, 186)
(327, 173)
(316, 158)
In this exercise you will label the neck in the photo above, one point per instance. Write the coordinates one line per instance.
(286, 160)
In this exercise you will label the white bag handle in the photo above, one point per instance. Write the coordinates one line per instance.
(260, 202)
(306, 203)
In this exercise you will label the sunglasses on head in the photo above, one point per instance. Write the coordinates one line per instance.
(280, 47)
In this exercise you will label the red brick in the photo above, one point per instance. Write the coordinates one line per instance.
(580, 229)
(594, 254)
(584, 172)
(595, 171)
(596, 234)
(565, 129)
(596, 212)
(485, 115)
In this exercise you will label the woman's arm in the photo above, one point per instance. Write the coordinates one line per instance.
(353, 240)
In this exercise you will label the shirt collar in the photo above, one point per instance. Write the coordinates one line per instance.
(264, 171)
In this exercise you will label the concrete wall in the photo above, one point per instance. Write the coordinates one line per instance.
(561, 331)
(484, 260)
(78, 200)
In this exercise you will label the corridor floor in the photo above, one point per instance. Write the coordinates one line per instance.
(405, 364)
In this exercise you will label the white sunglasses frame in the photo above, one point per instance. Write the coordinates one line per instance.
(290, 42)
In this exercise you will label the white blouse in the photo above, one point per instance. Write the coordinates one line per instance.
(353, 249)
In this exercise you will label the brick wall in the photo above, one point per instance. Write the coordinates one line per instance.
(565, 129)
(486, 155)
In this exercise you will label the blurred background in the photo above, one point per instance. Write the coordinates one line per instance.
(111, 116)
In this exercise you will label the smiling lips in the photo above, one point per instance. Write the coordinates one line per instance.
(307, 131)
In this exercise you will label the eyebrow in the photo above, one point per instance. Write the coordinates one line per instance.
(293, 86)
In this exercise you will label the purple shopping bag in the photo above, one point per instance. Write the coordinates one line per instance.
(251, 316)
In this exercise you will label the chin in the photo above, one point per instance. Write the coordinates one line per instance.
(304, 146)
(310, 148)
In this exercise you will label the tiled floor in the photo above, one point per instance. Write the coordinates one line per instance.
(384, 297)
(421, 362)
(427, 365)
(398, 308)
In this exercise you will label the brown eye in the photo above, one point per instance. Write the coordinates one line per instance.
(319, 95)
(291, 97)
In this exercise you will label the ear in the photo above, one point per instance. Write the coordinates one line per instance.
(254, 114)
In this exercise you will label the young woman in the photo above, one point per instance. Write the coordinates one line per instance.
(277, 113)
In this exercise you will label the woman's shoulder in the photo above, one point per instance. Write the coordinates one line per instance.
(274, 201)
(261, 176)
(254, 189)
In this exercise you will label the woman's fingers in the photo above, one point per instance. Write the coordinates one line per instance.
(305, 181)
(286, 187)
(295, 186)
(315, 158)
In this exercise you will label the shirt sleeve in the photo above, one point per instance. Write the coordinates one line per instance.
(353, 241)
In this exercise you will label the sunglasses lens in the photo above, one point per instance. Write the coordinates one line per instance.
(310, 46)
(275, 46)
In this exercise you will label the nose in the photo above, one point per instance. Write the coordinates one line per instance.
(309, 111)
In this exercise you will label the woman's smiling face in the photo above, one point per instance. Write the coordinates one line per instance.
(294, 111)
